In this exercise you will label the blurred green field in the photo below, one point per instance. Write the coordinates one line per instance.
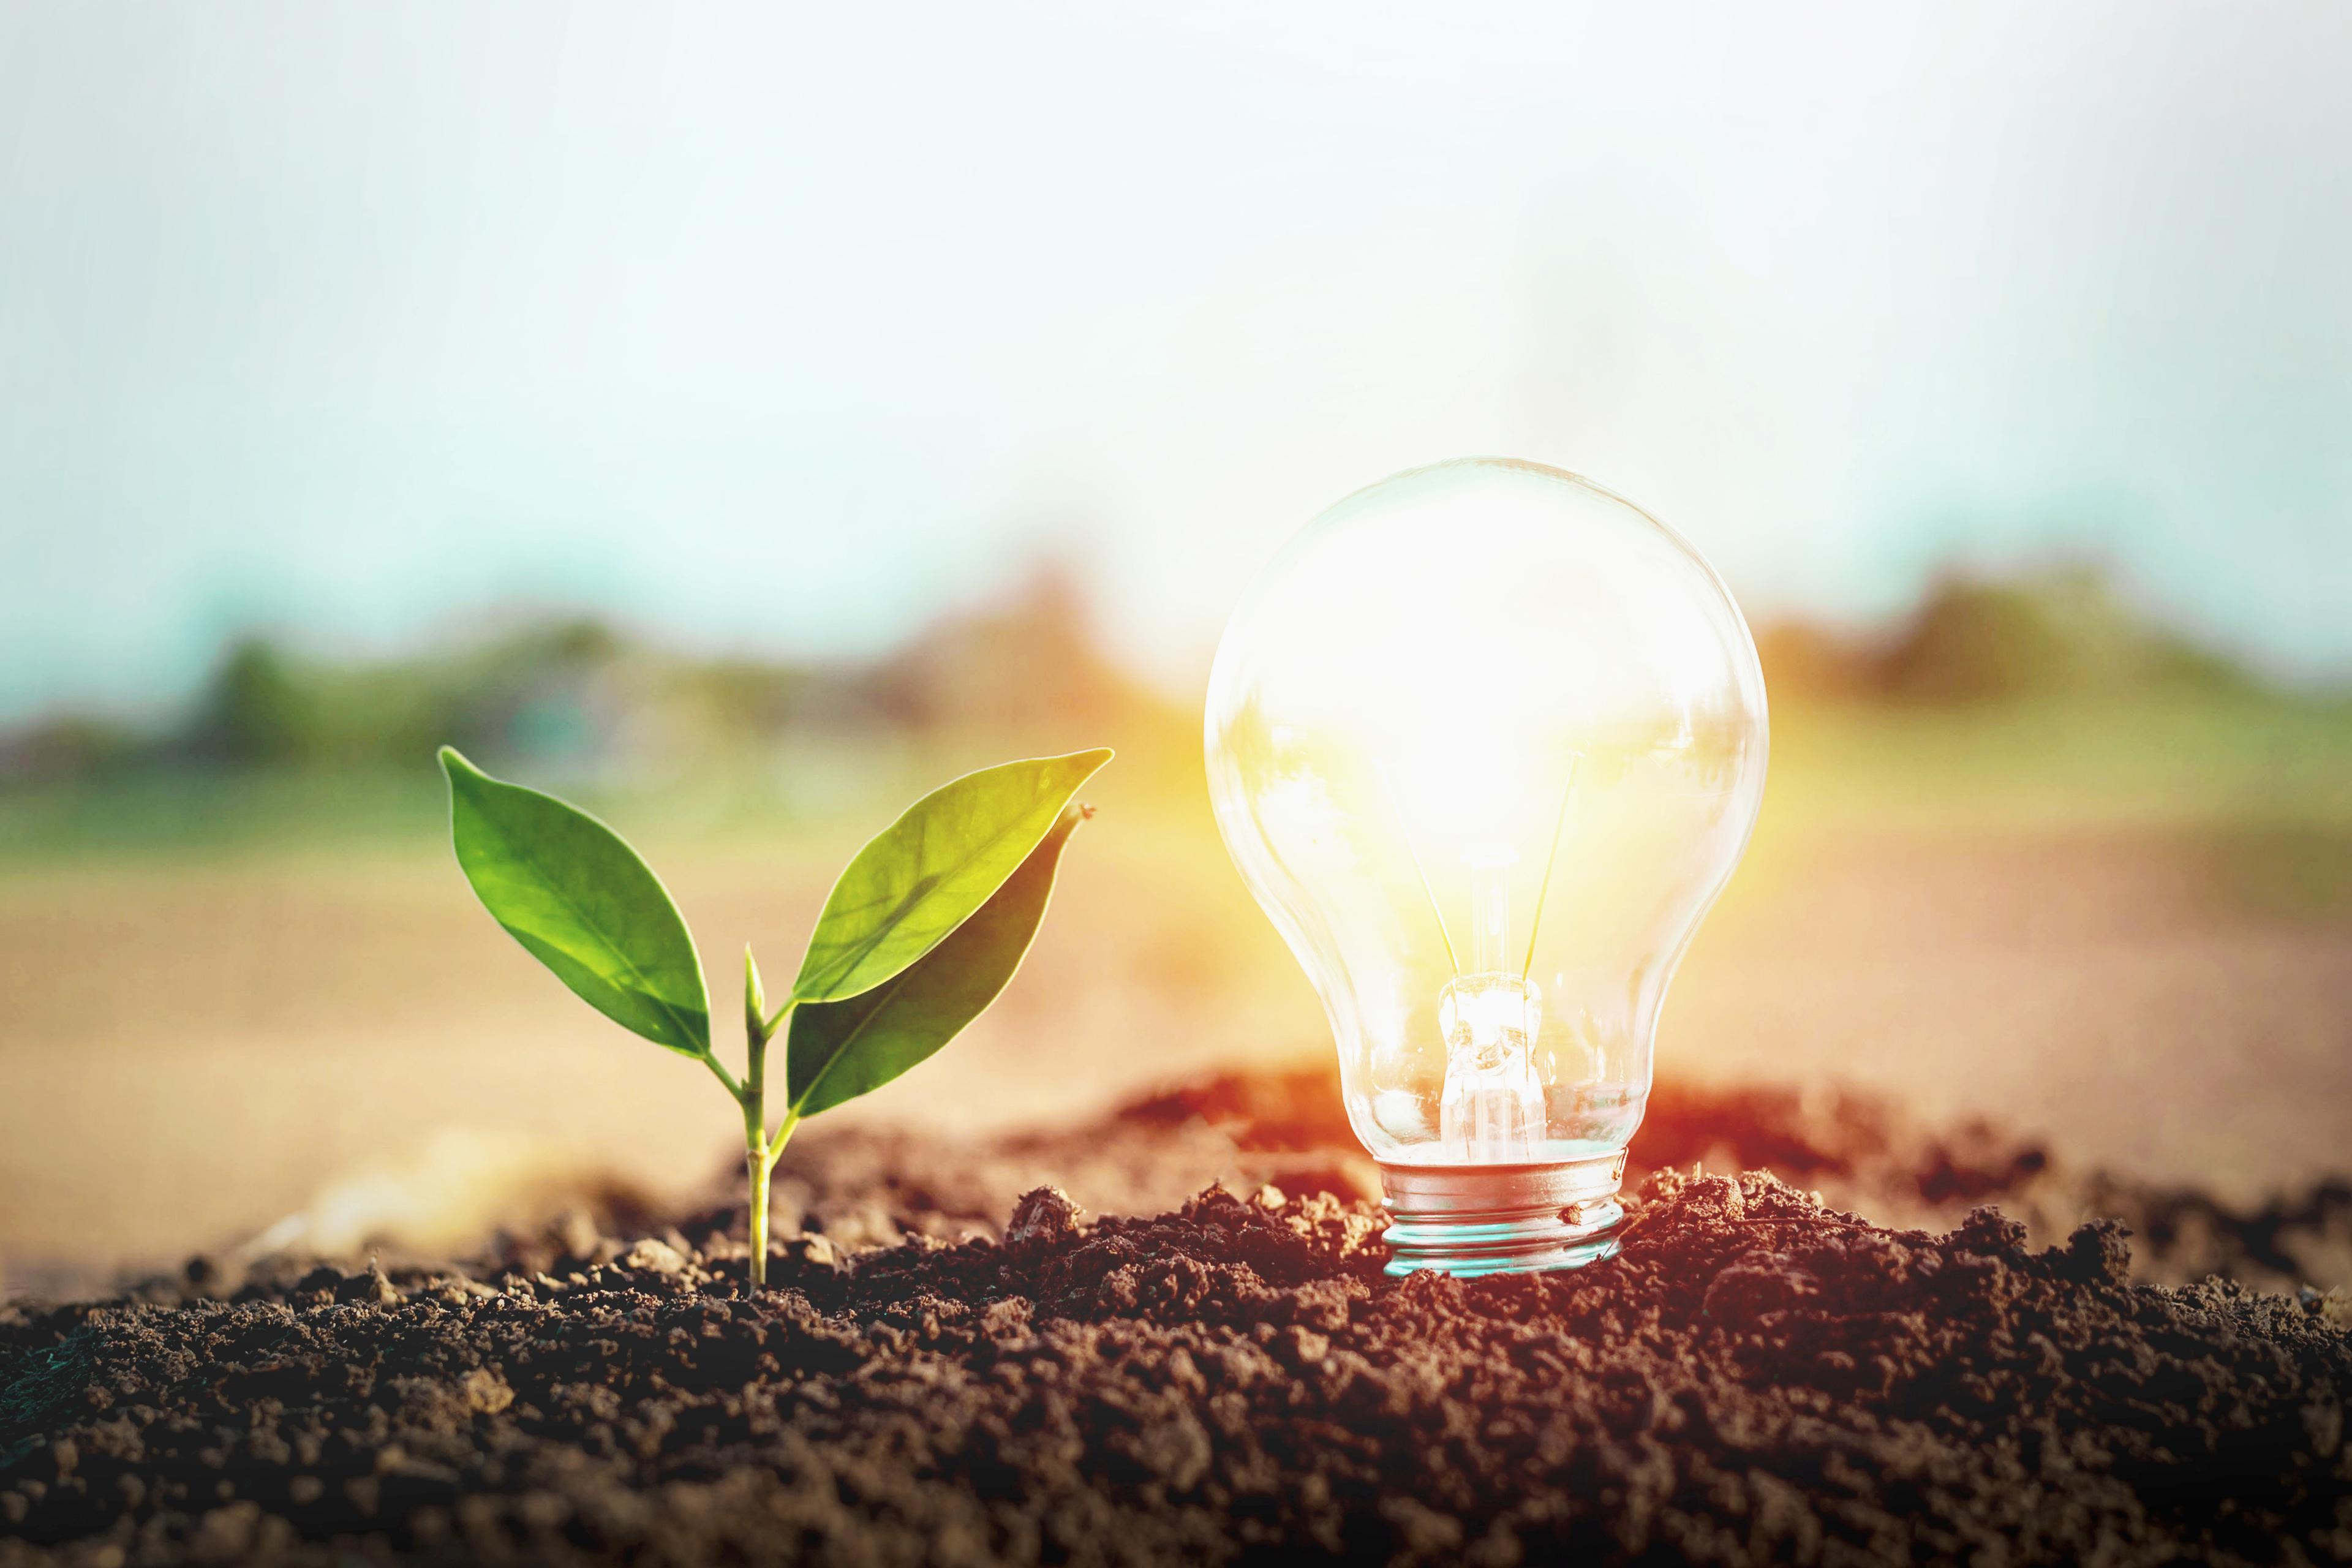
(2126, 924)
(2154, 760)
(2256, 789)
(2190, 760)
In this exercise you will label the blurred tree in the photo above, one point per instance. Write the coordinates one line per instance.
(1803, 660)
(1030, 665)
(2058, 631)
(254, 712)
(68, 747)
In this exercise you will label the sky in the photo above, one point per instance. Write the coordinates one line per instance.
(782, 330)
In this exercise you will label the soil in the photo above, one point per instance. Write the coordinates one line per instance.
(950, 1369)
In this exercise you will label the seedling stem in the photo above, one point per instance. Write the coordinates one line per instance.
(760, 1151)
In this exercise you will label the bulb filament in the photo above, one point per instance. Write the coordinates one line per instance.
(1492, 1110)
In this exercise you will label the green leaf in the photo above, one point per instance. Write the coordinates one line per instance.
(839, 1050)
(924, 875)
(579, 899)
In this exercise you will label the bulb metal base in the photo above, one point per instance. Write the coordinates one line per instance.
(1502, 1219)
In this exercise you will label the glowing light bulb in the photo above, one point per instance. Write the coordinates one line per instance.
(1485, 742)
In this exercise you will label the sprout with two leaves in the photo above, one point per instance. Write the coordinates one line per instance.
(921, 933)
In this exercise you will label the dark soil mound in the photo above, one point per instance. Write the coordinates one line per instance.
(1759, 1377)
(1856, 1149)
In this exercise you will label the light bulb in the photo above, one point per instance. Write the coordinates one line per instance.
(1485, 742)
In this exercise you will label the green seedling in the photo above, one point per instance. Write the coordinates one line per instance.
(921, 932)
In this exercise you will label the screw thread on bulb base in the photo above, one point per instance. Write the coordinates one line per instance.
(1469, 1220)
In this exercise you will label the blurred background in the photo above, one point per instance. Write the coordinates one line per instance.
(742, 421)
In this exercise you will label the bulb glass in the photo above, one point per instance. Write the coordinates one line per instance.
(1486, 740)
